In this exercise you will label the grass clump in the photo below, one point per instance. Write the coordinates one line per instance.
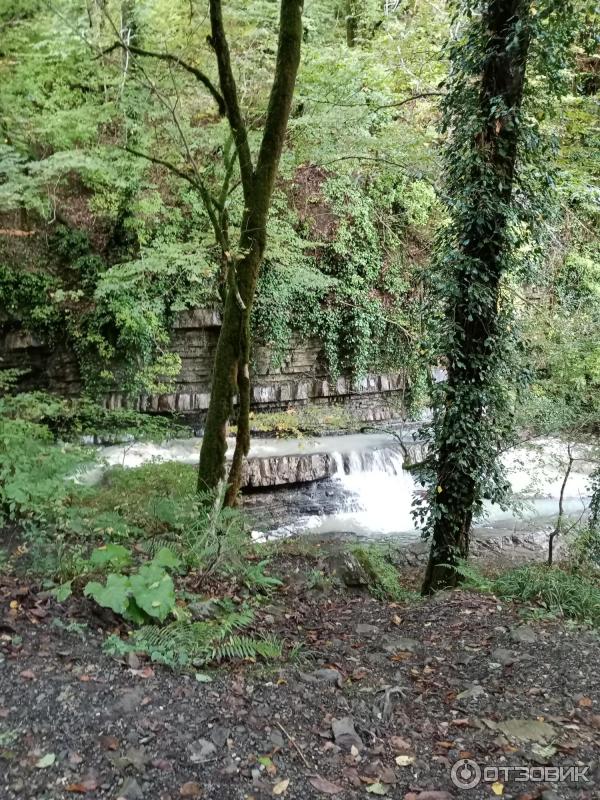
(149, 497)
(555, 589)
(558, 591)
(382, 575)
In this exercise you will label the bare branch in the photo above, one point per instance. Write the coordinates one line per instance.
(173, 59)
(198, 186)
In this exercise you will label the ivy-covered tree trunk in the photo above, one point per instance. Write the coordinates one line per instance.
(480, 168)
(231, 371)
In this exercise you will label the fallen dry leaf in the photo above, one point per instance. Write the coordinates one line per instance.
(28, 675)
(281, 787)
(585, 702)
(325, 786)
(405, 760)
(82, 787)
(109, 742)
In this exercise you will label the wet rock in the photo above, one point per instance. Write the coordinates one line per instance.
(349, 570)
(344, 733)
(203, 609)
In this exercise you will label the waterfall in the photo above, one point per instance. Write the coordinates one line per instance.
(376, 492)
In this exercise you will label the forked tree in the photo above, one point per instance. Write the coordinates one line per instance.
(231, 371)
(241, 260)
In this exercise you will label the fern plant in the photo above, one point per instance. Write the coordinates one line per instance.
(183, 642)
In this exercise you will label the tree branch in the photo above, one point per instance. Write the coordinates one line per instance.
(230, 96)
(198, 186)
(280, 98)
(173, 59)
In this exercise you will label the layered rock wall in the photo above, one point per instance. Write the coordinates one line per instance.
(302, 377)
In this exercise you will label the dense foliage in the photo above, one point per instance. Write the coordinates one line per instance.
(381, 199)
(101, 247)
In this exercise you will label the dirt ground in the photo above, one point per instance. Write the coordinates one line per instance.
(381, 700)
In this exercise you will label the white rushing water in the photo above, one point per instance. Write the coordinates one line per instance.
(381, 496)
(371, 494)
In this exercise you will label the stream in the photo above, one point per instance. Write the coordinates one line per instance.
(371, 495)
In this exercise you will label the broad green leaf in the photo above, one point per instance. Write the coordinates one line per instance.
(113, 554)
(114, 595)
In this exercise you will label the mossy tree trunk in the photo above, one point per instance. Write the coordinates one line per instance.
(231, 371)
(476, 258)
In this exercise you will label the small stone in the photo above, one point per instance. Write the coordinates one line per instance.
(130, 790)
(364, 629)
(472, 693)
(395, 644)
(331, 676)
(549, 794)
(219, 735)
(202, 750)
(345, 734)
(277, 739)
(502, 656)
(523, 634)
(130, 701)
(190, 789)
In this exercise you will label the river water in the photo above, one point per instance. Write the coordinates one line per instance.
(371, 495)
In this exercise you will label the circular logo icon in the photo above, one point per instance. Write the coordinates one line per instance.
(466, 774)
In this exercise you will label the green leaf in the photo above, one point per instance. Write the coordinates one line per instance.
(63, 592)
(111, 554)
(377, 788)
(46, 761)
(166, 558)
(153, 591)
(114, 595)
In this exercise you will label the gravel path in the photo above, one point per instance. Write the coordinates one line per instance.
(382, 701)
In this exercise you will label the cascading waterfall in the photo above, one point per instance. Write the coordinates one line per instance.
(370, 493)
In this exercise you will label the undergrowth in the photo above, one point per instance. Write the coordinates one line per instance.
(382, 575)
(556, 590)
(183, 642)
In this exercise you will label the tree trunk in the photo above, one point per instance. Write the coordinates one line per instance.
(231, 371)
(351, 22)
(472, 313)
